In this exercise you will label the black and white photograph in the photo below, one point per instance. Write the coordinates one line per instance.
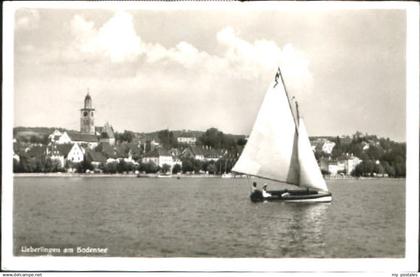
(210, 136)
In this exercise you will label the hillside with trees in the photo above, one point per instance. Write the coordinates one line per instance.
(379, 156)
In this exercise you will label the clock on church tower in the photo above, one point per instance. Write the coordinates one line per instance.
(87, 116)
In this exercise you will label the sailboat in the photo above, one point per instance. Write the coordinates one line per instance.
(278, 149)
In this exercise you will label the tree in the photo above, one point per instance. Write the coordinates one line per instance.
(167, 139)
(379, 169)
(149, 167)
(212, 137)
(369, 167)
(16, 166)
(374, 152)
(358, 171)
(166, 168)
(121, 166)
(110, 167)
(176, 169)
(125, 136)
(390, 170)
(337, 150)
(325, 172)
(83, 166)
(43, 139)
(241, 142)
(26, 164)
(211, 168)
(187, 165)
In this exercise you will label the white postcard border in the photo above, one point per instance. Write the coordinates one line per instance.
(409, 263)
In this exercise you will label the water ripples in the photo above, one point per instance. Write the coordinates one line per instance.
(207, 217)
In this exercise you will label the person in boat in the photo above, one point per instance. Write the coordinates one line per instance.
(254, 187)
(265, 194)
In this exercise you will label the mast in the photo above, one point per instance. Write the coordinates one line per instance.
(288, 99)
(297, 133)
(296, 120)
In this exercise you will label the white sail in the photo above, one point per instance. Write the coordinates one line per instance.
(309, 174)
(271, 150)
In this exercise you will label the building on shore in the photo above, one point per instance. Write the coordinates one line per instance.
(190, 140)
(160, 157)
(322, 144)
(64, 153)
(106, 134)
(202, 153)
(344, 165)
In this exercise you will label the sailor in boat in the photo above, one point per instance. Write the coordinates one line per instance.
(265, 194)
(254, 187)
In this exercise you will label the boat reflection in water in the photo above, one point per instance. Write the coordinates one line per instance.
(303, 230)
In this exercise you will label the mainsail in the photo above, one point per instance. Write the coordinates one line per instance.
(271, 149)
(277, 149)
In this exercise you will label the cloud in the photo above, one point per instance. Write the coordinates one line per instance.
(246, 57)
(183, 53)
(261, 57)
(116, 39)
(27, 19)
(238, 59)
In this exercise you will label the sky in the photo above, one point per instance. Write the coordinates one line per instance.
(149, 70)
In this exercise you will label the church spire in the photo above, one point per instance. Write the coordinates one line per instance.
(88, 101)
(87, 116)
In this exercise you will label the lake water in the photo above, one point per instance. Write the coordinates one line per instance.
(206, 217)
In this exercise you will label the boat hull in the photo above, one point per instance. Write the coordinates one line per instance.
(304, 196)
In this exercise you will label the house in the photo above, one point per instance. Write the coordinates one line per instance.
(16, 156)
(365, 146)
(95, 158)
(334, 167)
(194, 152)
(106, 134)
(211, 154)
(87, 140)
(83, 139)
(186, 140)
(64, 153)
(154, 144)
(128, 152)
(161, 157)
(344, 164)
(133, 152)
(151, 157)
(322, 144)
(113, 153)
(58, 137)
(351, 164)
(55, 136)
(327, 147)
(202, 153)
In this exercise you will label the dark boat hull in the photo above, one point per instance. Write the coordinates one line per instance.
(308, 196)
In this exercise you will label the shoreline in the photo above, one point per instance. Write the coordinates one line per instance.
(132, 175)
(128, 175)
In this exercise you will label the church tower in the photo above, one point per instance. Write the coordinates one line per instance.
(87, 116)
